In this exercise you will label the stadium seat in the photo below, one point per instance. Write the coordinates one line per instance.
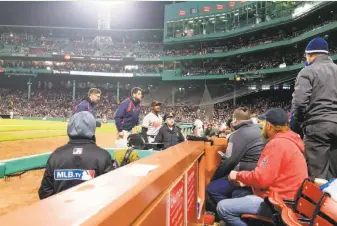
(301, 210)
(326, 212)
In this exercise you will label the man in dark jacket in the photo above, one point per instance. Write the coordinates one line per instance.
(243, 152)
(127, 114)
(76, 162)
(89, 103)
(315, 109)
(169, 134)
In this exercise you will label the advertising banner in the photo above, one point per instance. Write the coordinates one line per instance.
(176, 204)
(231, 4)
(91, 58)
(207, 9)
(61, 72)
(219, 7)
(191, 181)
(104, 74)
(148, 74)
(182, 13)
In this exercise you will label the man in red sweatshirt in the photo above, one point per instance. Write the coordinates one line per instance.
(281, 168)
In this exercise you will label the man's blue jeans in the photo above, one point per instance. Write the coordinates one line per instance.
(230, 210)
(222, 188)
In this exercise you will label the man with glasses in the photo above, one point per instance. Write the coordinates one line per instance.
(314, 107)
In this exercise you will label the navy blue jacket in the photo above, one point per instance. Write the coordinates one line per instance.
(85, 105)
(127, 115)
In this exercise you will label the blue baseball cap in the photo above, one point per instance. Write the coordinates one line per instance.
(275, 116)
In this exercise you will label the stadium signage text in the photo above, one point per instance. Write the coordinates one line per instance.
(104, 74)
(60, 72)
(91, 58)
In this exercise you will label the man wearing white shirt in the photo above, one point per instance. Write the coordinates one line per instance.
(152, 123)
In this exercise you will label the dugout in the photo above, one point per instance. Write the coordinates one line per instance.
(167, 195)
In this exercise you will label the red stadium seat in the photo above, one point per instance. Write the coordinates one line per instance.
(326, 212)
(302, 209)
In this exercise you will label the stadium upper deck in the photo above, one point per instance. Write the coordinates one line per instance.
(198, 21)
(45, 50)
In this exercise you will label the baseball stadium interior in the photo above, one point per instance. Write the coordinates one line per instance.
(193, 85)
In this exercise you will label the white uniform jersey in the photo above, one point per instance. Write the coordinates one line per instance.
(153, 123)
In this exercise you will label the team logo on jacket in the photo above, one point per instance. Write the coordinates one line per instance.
(74, 174)
(77, 151)
(264, 162)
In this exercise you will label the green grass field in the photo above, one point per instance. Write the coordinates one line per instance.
(11, 130)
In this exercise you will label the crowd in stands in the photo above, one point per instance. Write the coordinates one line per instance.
(29, 44)
(71, 66)
(240, 43)
(59, 104)
(242, 64)
(246, 64)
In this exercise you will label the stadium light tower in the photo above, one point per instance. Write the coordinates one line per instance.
(103, 22)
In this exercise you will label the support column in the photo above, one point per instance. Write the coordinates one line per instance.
(29, 88)
(74, 89)
(117, 92)
(234, 96)
(173, 95)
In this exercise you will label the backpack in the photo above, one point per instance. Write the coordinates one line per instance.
(124, 157)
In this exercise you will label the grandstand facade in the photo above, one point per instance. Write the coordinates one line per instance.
(228, 49)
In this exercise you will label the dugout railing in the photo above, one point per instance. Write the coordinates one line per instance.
(171, 193)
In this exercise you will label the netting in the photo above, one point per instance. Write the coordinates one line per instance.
(244, 91)
(206, 106)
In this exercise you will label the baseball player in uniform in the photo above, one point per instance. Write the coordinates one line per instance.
(152, 123)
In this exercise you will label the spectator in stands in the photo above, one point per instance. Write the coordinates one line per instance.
(208, 130)
(281, 168)
(243, 151)
(152, 123)
(315, 108)
(127, 115)
(198, 128)
(169, 134)
(78, 161)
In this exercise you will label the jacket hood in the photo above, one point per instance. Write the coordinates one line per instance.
(243, 123)
(82, 125)
(294, 137)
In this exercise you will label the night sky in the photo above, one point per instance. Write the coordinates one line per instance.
(139, 15)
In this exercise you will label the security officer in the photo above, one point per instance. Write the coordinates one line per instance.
(314, 107)
(78, 161)
(152, 123)
(169, 134)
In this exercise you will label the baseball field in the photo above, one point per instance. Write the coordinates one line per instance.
(20, 138)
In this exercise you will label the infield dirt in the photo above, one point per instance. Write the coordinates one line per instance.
(19, 192)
